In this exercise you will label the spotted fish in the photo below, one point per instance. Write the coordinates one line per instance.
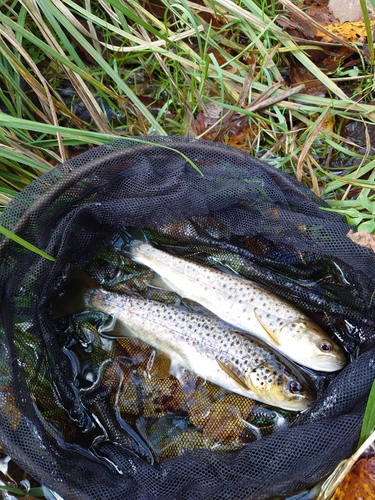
(197, 343)
(246, 306)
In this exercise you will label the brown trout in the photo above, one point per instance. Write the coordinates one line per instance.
(246, 306)
(194, 342)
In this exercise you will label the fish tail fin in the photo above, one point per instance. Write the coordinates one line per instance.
(74, 298)
(139, 251)
(134, 237)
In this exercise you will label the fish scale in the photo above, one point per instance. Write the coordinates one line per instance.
(247, 306)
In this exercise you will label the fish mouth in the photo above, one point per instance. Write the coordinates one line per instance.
(296, 404)
(332, 363)
(301, 402)
(322, 362)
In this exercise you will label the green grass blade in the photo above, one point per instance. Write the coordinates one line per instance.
(368, 424)
(369, 35)
(256, 16)
(86, 136)
(63, 59)
(24, 243)
(122, 7)
(37, 492)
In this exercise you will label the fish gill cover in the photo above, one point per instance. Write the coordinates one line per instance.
(79, 409)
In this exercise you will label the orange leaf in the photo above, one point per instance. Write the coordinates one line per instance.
(359, 483)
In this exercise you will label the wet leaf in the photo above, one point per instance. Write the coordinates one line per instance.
(351, 32)
(318, 25)
(237, 130)
(359, 483)
(299, 74)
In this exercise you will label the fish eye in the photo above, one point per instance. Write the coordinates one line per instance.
(325, 347)
(295, 387)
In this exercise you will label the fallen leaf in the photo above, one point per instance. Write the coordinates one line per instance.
(359, 484)
(347, 10)
(351, 32)
(362, 238)
(237, 130)
(299, 74)
(331, 52)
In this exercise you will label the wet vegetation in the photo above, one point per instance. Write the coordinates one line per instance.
(263, 76)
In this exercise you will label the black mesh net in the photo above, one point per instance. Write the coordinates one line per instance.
(74, 410)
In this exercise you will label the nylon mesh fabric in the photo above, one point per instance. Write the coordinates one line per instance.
(241, 213)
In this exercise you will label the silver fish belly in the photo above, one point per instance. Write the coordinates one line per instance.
(247, 306)
(209, 348)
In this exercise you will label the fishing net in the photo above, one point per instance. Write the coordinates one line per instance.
(68, 393)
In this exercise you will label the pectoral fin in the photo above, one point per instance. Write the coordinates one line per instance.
(232, 372)
(158, 282)
(264, 319)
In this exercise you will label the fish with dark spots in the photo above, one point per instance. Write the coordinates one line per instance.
(193, 348)
(246, 306)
